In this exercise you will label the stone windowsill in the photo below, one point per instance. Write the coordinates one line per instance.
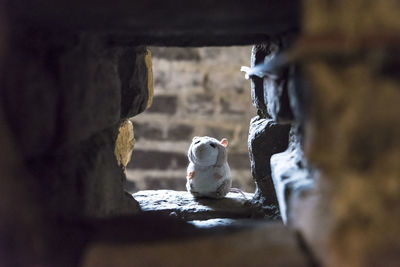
(183, 205)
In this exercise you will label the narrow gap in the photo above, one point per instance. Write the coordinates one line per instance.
(197, 92)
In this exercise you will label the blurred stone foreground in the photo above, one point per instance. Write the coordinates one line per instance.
(324, 147)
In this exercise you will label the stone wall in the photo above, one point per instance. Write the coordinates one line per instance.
(338, 181)
(198, 91)
(64, 99)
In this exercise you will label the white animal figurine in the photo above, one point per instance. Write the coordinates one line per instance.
(208, 173)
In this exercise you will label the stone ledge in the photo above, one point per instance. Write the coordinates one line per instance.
(183, 205)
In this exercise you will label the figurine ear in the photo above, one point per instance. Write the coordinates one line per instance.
(194, 138)
(224, 142)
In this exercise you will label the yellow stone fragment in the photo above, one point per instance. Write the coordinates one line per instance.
(124, 144)
(147, 60)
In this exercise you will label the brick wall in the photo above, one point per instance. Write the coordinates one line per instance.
(197, 91)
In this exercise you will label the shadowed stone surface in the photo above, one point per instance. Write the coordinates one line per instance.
(162, 182)
(164, 104)
(183, 205)
(148, 130)
(60, 90)
(153, 159)
(352, 136)
(64, 98)
(180, 132)
(269, 131)
(162, 22)
(228, 224)
(84, 180)
(268, 245)
(135, 73)
(266, 138)
(276, 97)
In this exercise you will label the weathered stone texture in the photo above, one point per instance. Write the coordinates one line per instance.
(239, 160)
(124, 143)
(161, 182)
(88, 183)
(153, 159)
(268, 245)
(270, 94)
(56, 73)
(23, 228)
(351, 134)
(201, 104)
(148, 130)
(367, 155)
(164, 104)
(180, 132)
(135, 73)
(64, 97)
(183, 205)
(158, 131)
(266, 138)
(204, 23)
(269, 132)
(258, 53)
(276, 97)
(275, 86)
(176, 53)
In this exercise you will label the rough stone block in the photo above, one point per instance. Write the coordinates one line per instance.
(182, 204)
(89, 86)
(232, 109)
(238, 160)
(298, 95)
(352, 136)
(84, 180)
(270, 94)
(130, 186)
(258, 54)
(233, 81)
(148, 131)
(164, 104)
(173, 53)
(157, 131)
(124, 144)
(176, 75)
(153, 159)
(172, 183)
(60, 90)
(180, 132)
(136, 78)
(219, 132)
(266, 138)
(201, 104)
(276, 96)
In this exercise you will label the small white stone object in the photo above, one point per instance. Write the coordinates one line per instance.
(208, 173)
